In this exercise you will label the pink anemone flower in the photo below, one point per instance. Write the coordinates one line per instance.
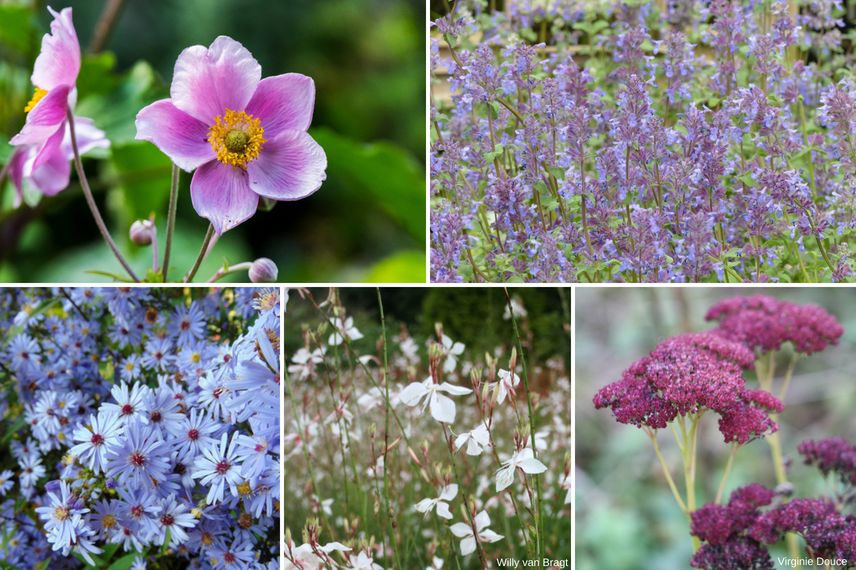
(245, 136)
(36, 170)
(41, 160)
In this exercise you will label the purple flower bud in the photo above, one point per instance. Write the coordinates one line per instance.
(142, 232)
(263, 270)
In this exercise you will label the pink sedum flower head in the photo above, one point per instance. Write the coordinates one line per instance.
(41, 161)
(245, 136)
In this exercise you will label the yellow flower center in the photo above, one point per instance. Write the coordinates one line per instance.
(196, 358)
(236, 138)
(244, 488)
(108, 521)
(61, 513)
(37, 96)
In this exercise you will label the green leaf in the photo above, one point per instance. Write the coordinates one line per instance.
(125, 562)
(390, 176)
(403, 267)
(494, 154)
(16, 27)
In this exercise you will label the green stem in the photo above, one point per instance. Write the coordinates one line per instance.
(387, 407)
(203, 251)
(170, 220)
(224, 271)
(652, 435)
(726, 472)
(90, 200)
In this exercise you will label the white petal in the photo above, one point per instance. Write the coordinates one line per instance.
(330, 547)
(442, 408)
(412, 393)
(532, 465)
(482, 520)
(473, 448)
(424, 505)
(489, 536)
(453, 390)
(481, 435)
(468, 546)
(462, 439)
(457, 349)
(504, 478)
(443, 511)
(449, 492)
(461, 530)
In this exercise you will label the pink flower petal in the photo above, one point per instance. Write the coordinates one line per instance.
(53, 172)
(59, 61)
(51, 148)
(283, 102)
(207, 81)
(289, 167)
(47, 116)
(89, 137)
(16, 172)
(222, 194)
(181, 137)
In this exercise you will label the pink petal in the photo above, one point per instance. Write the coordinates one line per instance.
(207, 81)
(222, 194)
(53, 173)
(51, 148)
(289, 167)
(283, 102)
(59, 61)
(179, 136)
(88, 137)
(16, 172)
(47, 116)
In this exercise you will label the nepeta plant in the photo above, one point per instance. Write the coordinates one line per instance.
(243, 135)
(689, 376)
(669, 141)
(409, 453)
(143, 428)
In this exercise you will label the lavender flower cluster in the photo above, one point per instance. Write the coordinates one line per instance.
(698, 141)
(143, 426)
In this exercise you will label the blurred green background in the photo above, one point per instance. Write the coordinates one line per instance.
(367, 57)
(472, 315)
(626, 516)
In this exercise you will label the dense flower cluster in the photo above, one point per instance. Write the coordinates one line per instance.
(737, 535)
(833, 455)
(764, 323)
(710, 142)
(688, 374)
(144, 426)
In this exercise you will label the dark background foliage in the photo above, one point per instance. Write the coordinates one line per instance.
(367, 58)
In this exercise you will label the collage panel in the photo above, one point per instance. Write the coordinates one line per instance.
(139, 137)
(715, 428)
(598, 141)
(427, 428)
(139, 428)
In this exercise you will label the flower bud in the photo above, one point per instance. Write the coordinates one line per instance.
(142, 232)
(263, 270)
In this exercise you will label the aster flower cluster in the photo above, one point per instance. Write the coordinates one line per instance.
(668, 141)
(440, 442)
(144, 427)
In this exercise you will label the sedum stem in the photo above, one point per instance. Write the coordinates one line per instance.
(90, 201)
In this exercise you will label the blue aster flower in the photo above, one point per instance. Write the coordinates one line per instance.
(174, 519)
(218, 466)
(96, 439)
(62, 517)
(139, 458)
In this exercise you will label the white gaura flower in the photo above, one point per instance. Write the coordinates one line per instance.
(566, 484)
(447, 493)
(517, 307)
(345, 329)
(436, 564)
(363, 562)
(465, 533)
(452, 350)
(305, 363)
(523, 459)
(506, 384)
(476, 441)
(429, 393)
